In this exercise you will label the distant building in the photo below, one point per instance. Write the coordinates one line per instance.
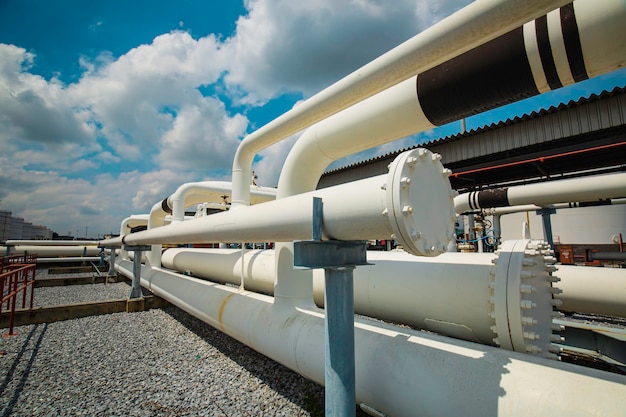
(16, 228)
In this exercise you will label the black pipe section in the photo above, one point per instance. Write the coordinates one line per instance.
(489, 198)
(497, 72)
(166, 207)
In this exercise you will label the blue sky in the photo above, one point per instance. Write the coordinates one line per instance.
(107, 107)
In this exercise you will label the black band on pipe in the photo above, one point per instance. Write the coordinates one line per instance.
(573, 49)
(166, 208)
(486, 77)
(493, 198)
(545, 53)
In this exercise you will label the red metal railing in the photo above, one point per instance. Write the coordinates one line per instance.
(17, 275)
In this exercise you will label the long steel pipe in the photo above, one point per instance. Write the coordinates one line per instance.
(576, 189)
(399, 372)
(387, 206)
(479, 22)
(195, 193)
(52, 242)
(50, 251)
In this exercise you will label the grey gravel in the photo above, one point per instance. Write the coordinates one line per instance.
(154, 363)
(161, 362)
(71, 294)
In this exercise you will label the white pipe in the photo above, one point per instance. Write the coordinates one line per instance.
(475, 24)
(544, 193)
(399, 371)
(53, 250)
(196, 193)
(391, 205)
(413, 290)
(593, 290)
(532, 207)
(70, 259)
(211, 191)
(52, 242)
(128, 223)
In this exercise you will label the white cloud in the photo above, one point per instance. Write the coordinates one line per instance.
(304, 46)
(203, 136)
(33, 109)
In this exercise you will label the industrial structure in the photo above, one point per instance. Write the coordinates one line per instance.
(496, 338)
(17, 228)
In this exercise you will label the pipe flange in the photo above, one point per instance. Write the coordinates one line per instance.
(524, 299)
(422, 202)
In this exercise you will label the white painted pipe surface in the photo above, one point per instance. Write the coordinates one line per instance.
(532, 207)
(545, 193)
(387, 206)
(475, 24)
(127, 224)
(69, 259)
(399, 372)
(52, 242)
(195, 193)
(594, 290)
(211, 191)
(412, 290)
(49, 251)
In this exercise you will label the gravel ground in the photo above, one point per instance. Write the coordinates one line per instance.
(154, 363)
(50, 296)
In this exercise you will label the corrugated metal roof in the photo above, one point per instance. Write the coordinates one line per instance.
(566, 127)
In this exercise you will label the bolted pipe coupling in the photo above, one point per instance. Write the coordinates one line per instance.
(422, 202)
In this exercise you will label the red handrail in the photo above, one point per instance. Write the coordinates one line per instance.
(18, 274)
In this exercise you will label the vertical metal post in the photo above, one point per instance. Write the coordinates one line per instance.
(111, 272)
(339, 375)
(497, 228)
(338, 258)
(135, 290)
(547, 224)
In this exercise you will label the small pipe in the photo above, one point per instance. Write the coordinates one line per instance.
(552, 192)
(51, 242)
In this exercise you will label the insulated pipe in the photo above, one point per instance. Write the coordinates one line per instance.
(576, 189)
(69, 259)
(471, 26)
(512, 67)
(391, 205)
(52, 242)
(196, 193)
(411, 290)
(593, 290)
(531, 207)
(55, 250)
(211, 191)
(128, 223)
(399, 371)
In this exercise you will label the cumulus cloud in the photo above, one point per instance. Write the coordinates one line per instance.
(136, 97)
(34, 109)
(203, 136)
(282, 46)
